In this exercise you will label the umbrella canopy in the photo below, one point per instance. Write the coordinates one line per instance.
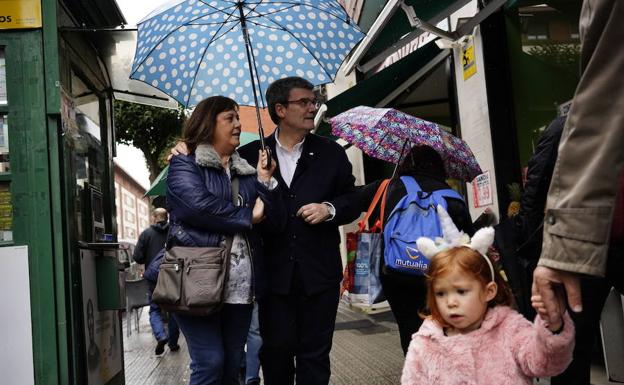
(387, 134)
(199, 48)
(159, 186)
(459, 160)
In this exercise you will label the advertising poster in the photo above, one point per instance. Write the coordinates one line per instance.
(16, 14)
(102, 331)
(482, 190)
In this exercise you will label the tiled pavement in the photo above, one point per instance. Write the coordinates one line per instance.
(366, 351)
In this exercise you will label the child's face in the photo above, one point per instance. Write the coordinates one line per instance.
(462, 300)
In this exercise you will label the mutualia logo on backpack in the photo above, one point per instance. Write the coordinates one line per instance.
(415, 261)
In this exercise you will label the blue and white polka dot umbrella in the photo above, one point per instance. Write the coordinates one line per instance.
(197, 48)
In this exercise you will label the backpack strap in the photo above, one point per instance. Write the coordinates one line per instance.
(448, 193)
(413, 188)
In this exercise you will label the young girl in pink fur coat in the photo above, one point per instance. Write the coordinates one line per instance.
(473, 337)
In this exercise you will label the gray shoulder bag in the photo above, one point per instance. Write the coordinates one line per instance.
(191, 280)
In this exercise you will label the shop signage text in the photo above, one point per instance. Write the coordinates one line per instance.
(17, 14)
(482, 190)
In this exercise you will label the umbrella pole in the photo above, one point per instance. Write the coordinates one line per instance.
(250, 58)
(396, 166)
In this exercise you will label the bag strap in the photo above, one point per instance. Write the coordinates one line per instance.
(230, 238)
(381, 191)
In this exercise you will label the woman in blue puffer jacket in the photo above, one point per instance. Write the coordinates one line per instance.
(203, 214)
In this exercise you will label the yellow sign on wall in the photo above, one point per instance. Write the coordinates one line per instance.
(15, 14)
(468, 58)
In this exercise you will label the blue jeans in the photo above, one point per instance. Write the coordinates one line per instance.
(158, 326)
(254, 342)
(216, 344)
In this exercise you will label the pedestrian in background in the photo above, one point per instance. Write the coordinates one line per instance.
(151, 242)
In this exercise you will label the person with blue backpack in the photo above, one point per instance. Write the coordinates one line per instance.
(410, 213)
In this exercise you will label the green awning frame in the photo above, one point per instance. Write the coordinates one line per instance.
(378, 90)
(159, 186)
(397, 25)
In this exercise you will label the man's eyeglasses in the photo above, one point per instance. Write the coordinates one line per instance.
(306, 102)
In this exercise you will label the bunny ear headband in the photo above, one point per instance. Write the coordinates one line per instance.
(452, 237)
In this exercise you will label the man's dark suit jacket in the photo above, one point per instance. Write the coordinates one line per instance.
(323, 174)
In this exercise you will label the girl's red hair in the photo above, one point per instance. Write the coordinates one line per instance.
(471, 262)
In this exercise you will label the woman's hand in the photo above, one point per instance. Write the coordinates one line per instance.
(180, 148)
(257, 215)
(264, 173)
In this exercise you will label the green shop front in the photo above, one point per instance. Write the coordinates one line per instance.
(62, 286)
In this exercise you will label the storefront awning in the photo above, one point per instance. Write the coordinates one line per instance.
(116, 48)
(380, 89)
(394, 29)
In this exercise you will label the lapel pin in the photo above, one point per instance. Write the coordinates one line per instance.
(311, 153)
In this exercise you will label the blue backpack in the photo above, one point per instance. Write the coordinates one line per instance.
(414, 216)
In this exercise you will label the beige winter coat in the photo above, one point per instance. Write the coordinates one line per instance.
(591, 153)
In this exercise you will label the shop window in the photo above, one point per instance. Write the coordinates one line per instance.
(80, 112)
(3, 81)
(545, 66)
(574, 31)
(537, 29)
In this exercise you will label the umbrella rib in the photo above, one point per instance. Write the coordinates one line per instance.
(305, 47)
(303, 3)
(206, 50)
(176, 29)
(259, 15)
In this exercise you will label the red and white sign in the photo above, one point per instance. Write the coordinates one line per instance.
(482, 190)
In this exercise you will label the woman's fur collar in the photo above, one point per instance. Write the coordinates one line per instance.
(206, 156)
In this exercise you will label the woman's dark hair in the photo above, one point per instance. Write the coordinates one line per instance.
(199, 128)
(422, 159)
(279, 92)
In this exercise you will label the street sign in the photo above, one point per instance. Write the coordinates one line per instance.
(468, 58)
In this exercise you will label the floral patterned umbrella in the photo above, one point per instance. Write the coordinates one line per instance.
(385, 133)
(459, 159)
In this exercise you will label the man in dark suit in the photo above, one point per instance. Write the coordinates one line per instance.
(303, 262)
